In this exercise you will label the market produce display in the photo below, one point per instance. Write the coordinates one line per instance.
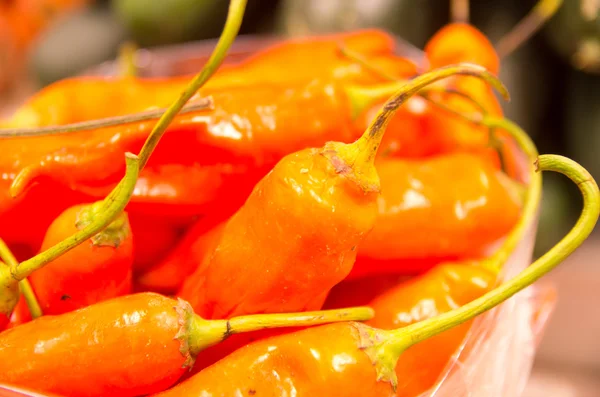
(325, 217)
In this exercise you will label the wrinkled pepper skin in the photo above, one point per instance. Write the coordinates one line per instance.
(440, 290)
(96, 270)
(318, 361)
(459, 203)
(121, 347)
(292, 241)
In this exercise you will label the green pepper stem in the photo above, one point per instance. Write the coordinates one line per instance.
(543, 11)
(403, 338)
(113, 206)
(533, 194)
(371, 139)
(230, 31)
(206, 333)
(9, 259)
(362, 97)
(201, 104)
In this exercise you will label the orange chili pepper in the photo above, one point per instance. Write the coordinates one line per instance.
(96, 270)
(294, 60)
(128, 346)
(322, 202)
(458, 203)
(440, 290)
(244, 128)
(351, 359)
(423, 128)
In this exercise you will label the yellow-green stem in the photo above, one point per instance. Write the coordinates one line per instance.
(9, 259)
(200, 104)
(230, 31)
(114, 204)
(403, 338)
(205, 333)
(543, 11)
(369, 142)
(378, 92)
(532, 197)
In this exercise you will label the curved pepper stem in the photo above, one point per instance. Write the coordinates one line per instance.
(32, 303)
(362, 152)
(397, 341)
(113, 205)
(203, 333)
(533, 193)
(230, 31)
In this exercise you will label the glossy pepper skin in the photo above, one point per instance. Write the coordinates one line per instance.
(291, 242)
(206, 163)
(108, 348)
(104, 349)
(459, 204)
(97, 270)
(249, 126)
(297, 56)
(440, 290)
(319, 361)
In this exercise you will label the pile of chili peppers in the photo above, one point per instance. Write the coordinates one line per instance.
(324, 180)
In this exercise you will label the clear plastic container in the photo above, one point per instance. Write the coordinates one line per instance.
(496, 356)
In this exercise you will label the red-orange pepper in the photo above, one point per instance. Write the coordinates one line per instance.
(351, 359)
(297, 234)
(425, 129)
(128, 346)
(98, 269)
(440, 290)
(458, 203)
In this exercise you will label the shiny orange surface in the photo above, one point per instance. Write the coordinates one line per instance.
(440, 290)
(294, 238)
(452, 205)
(319, 361)
(121, 347)
(87, 274)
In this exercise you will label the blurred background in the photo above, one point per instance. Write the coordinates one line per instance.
(554, 79)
